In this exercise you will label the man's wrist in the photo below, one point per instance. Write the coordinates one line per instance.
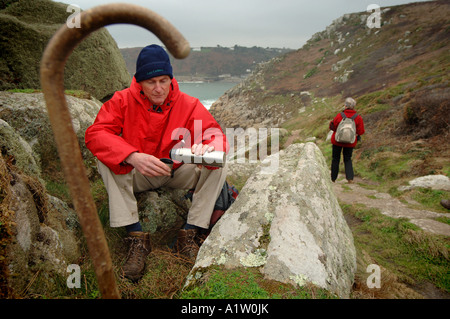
(129, 159)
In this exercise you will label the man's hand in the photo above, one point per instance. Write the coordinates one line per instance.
(148, 165)
(200, 149)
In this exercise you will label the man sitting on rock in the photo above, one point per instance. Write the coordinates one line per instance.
(135, 129)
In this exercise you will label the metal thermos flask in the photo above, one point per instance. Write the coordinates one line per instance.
(185, 155)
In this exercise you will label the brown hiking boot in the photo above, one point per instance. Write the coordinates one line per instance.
(138, 250)
(187, 243)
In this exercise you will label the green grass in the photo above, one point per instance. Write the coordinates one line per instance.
(398, 245)
(430, 198)
(445, 220)
(76, 93)
(238, 284)
(58, 189)
(248, 283)
(24, 91)
(165, 278)
(311, 72)
(385, 167)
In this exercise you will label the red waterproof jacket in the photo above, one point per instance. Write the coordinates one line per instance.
(358, 122)
(127, 123)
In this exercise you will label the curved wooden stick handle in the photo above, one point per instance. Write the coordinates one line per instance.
(53, 62)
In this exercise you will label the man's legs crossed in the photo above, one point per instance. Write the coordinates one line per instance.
(123, 204)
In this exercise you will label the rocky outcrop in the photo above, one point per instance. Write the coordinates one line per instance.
(26, 113)
(96, 65)
(38, 230)
(439, 182)
(162, 213)
(246, 99)
(286, 222)
(42, 244)
(348, 58)
(43, 238)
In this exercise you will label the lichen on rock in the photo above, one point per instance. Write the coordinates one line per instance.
(288, 224)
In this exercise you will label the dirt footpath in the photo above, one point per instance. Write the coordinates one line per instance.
(354, 193)
(389, 206)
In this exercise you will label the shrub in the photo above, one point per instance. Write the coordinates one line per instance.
(426, 114)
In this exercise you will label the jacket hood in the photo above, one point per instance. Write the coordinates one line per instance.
(138, 94)
(124, 125)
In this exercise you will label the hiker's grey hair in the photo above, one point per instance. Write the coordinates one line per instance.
(349, 103)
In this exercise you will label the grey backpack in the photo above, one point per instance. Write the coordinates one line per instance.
(346, 130)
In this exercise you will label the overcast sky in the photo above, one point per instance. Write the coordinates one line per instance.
(263, 23)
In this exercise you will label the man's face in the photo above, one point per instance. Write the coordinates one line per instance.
(157, 89)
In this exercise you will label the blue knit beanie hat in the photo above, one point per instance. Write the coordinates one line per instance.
(153, 61)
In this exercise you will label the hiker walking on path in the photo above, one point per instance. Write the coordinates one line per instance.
(138, 127)
(347, 127)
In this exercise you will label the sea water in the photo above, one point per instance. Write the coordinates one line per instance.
(206, 92)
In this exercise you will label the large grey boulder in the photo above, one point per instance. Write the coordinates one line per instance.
(95, 66)
(439, 182)
(27, 114)
(287, 222)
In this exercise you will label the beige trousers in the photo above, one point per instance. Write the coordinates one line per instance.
(123, 209)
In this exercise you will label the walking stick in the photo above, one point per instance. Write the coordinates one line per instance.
(53, 61)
